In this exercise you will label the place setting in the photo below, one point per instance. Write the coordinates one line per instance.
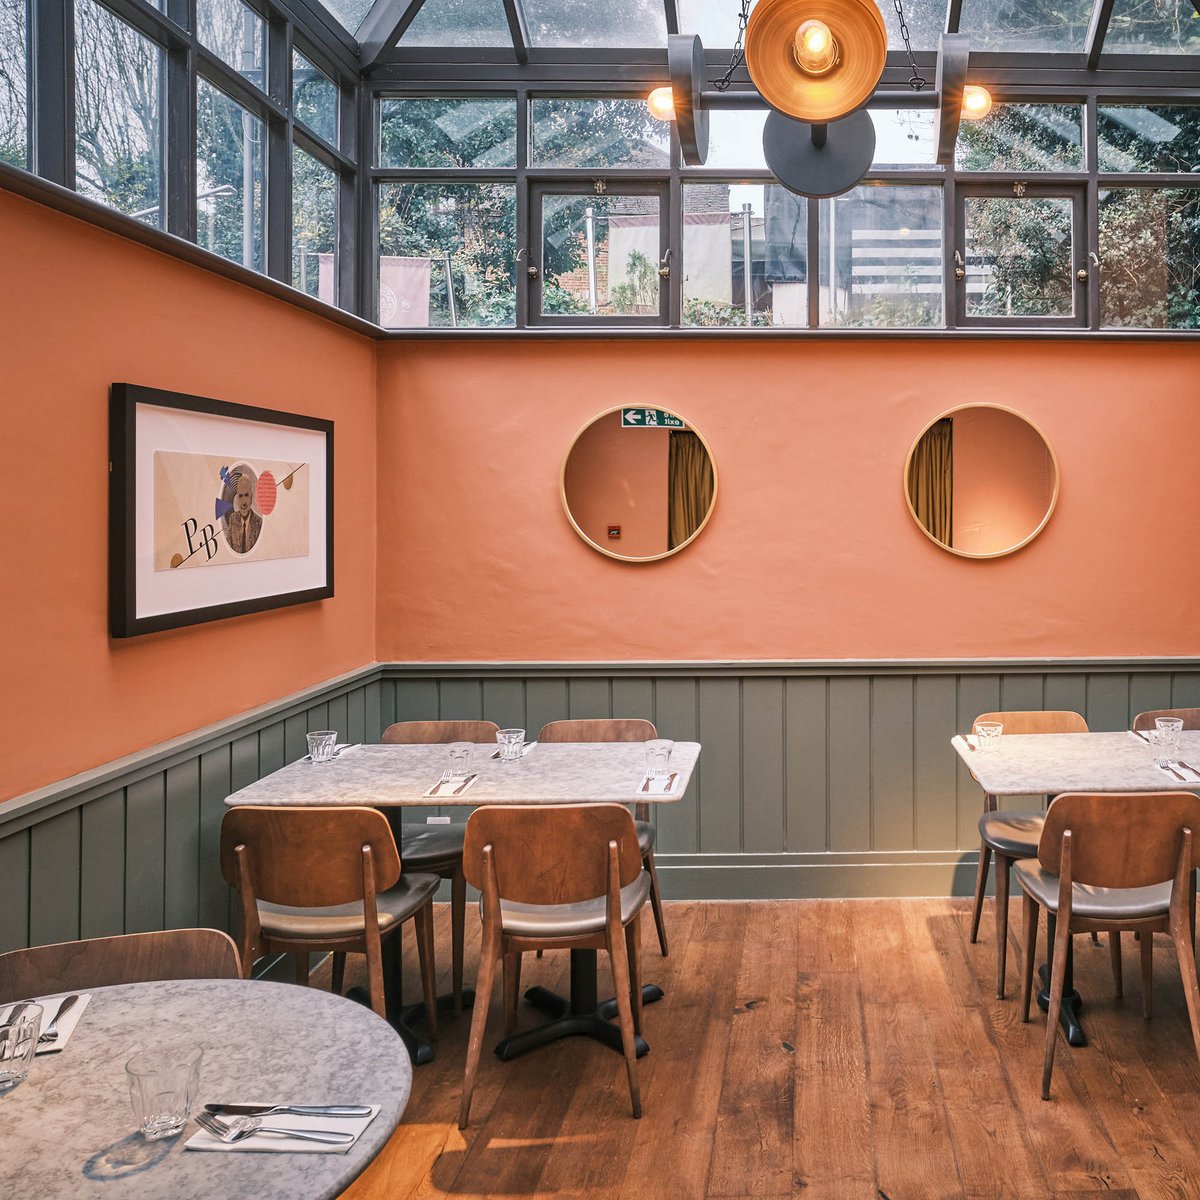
(324, 747)
(457, 778)
(659, 779)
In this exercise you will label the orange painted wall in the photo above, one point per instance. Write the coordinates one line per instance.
(80, 309)
(811, 553)
(619, 476)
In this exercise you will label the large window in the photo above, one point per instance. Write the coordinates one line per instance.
(14, 79)
(455, 132)
(314, 99)
(597, 132)
(314, 227)
(235, 34)
(118, 114)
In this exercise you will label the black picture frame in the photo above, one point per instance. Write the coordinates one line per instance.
(128, 405)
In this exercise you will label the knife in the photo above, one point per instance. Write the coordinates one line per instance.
(298, 1110)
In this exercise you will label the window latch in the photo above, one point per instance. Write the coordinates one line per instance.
(531, 270)
(664, 267)
(960, 270)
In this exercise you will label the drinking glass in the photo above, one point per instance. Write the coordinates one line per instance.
(658, 758)
(460, 760)
(321, 745)
(988, 733)
(1169, 729)
(162, 1089)
(18, 1044)
(512, 744)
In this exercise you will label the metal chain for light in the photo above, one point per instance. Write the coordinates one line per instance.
(735, 60)
(916, 81)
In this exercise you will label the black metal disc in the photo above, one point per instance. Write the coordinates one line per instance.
(809, 169)
(685, 59)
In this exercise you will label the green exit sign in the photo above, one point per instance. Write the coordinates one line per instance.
(649, 418)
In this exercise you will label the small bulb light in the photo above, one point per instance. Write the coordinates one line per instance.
(815, 48)
(661, 103)
(976, 102)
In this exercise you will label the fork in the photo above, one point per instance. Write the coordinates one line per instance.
(244, 1127)
(51, 1031)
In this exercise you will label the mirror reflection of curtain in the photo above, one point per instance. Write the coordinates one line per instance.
(690, 485)
(931, 480)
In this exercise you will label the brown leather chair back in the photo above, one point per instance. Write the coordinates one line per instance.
(551, 853)
(1120, 839)
(126, 958)
(1190, 716)
(308, 857)
(604, 729)
(424, 733)
(1059, 721)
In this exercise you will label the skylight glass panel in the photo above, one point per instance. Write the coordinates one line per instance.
(575, 23)
(1153, 27)
(349, 12)
(716, 21)
(1021, 25)
(459, 23)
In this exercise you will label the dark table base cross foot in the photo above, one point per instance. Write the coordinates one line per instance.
(583, 1015)
(402, 1019)
(1072, 1001)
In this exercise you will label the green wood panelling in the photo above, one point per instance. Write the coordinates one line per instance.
(54, 879)
(213, 894)
(145, 862)
(504, 703)
(14, 891)
(589, 698)
(805, 742)
(849, 764)
(934, 771)
(893, 806)
(719, 794)
(763, 783)
(675, 717)
(1108, 702)
(102, 866)
(1066, 693)
(545, 700)
(181, 875)
(460, 700)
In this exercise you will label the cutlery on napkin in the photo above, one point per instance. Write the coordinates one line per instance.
(658, 786)
(1140, 735)
(450, 787)
(338, 750)
(1177, 768)
(203, 1140)
(62, 1012)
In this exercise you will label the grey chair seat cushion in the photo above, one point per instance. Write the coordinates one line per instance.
(645, 832)
(346, 920)
(1116, 904)
(1014, 834)
(431, 847)
(571, 920)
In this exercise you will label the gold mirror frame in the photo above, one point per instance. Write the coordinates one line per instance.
(950, 412)
(629, 558)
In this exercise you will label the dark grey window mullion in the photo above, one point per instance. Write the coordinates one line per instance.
(278, 166)
(812, 267)
(53, 92)
(320, 149)
(1091, 212)
(350, 231)
(235, 86)
(674, 223)
(180, 137)
(144, 17)
(951, 293)
(366, 302)
(523, 235)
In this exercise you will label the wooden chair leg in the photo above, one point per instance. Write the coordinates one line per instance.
(300, 965)
(1147, 946)
(1187, 969)
(656, 902)
(1002, 876)
(375, 977)
(1032, 910)
(985, 857)
(339, 972)
(512, 991)
(633, 949)
(1058, 970)
(617, 955)
(483, 998)
(423, 927)
(1114, 952)
(458, 914)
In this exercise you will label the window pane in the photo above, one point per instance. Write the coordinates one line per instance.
(229, 178)
(1153, 27)
(459, 23)
(1149, 138)
(597, 133)
(1022, 137)
(1019, 256)
(1023, 25)
(724, 225)
(446, 254)
(600, 255)
(448, 133)
(234, 33)
(1150, 258)
(881, 257)
(579, 23)
(314, 98)
(904, 137)
(14, 111)
(118, 135)
(716, 21)
(349, 12)
(314, 227)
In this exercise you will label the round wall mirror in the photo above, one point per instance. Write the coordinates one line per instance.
(638, 484)
(981, 480)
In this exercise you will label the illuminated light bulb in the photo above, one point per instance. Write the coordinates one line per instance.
(976, 102)
(815, 48)
(661, 103)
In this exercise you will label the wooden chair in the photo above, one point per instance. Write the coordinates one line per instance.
(438, 849)
(1013, 835)
(325, 879)
(126, 958)
(1145, 721)
(1114, 861)
(560, 876)
(620, 729)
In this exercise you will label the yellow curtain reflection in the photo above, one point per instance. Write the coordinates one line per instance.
(931, 480)
(689, 486)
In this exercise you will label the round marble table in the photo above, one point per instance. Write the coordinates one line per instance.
(66, 1131)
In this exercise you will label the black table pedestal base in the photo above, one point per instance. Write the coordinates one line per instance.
(412, 1013)
(419, 1049)
(1072, 1001)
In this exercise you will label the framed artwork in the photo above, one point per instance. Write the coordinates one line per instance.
(215, 509)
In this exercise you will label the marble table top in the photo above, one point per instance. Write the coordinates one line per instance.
(551, 773)
(67, 1130)
(1050, 763)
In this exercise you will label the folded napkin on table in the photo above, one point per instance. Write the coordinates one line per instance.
(1189, 773)
(50, 1007)
(659, 785)
(203, 1140)
(450, 787)
(971, 740)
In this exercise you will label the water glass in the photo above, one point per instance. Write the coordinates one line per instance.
(988, 733)
(321, 745)
(162, 1088)
(18, 1044)
(512, 744)
(460, 760)
(658, 758)
(1169, 729)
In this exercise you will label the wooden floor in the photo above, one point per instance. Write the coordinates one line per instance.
(818, 1049)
